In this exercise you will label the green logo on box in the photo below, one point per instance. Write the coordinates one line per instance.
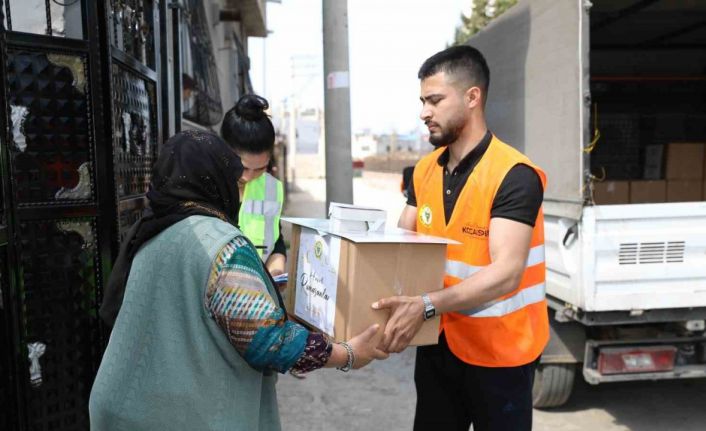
(318, 249)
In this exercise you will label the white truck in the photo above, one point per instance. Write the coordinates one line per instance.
(582, 87)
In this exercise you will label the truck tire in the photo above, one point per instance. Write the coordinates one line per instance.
(552, 385)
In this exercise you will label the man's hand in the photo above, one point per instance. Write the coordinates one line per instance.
(406, 317)
(408, 218)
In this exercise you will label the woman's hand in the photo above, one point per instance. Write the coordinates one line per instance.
(364, 349)
(276, 264)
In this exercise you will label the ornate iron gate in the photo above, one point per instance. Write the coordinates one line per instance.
(7, 338)
(136, 130)
(82, 121)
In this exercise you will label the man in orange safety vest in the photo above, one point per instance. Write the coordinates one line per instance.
(481, 192)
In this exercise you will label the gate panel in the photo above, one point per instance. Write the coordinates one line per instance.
(60, 330)
(134, 141)
(7, 401)
(51, 151)
(133, 29)
(51, 155)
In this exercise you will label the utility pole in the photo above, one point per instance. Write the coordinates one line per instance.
(337, 103)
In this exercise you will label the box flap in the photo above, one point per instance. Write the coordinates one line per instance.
(389, 235)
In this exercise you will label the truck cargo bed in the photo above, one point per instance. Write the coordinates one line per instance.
(629, 257)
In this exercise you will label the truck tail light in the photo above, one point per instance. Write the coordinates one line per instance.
(621, 360)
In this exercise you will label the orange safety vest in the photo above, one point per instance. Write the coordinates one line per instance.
(513, 329)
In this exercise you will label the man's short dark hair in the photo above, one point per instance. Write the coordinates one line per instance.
(463, 62)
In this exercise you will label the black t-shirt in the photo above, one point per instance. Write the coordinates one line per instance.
(279, 246)
(519, 197)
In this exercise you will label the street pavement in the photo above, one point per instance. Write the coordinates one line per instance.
(381, 396)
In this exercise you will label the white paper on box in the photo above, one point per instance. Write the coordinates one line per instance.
(317, 279)
(354, 218)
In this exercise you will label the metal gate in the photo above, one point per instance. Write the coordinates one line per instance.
(136, 129)
(82, 121)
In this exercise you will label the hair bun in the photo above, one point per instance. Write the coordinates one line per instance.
(251, 107)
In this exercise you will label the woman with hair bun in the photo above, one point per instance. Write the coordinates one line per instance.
(248, 130)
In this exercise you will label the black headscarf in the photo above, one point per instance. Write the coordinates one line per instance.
(196, 174)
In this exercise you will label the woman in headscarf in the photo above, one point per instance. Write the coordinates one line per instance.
(199, 329)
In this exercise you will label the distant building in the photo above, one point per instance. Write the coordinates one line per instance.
(365, 145)
(309, 131)
(406, 143)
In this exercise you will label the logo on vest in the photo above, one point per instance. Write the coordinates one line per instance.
(475, 231)
(425, 215)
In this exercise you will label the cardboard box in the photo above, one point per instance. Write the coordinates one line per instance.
(654, 161)
(685, 161)
(644, 192)
(611, 192)
(684, 191)
(335, 277)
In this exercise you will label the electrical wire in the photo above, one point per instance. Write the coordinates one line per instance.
(592, 179)
(596, 132)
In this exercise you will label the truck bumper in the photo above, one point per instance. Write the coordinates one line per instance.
(689, 361)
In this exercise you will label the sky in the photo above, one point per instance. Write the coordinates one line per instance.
(388, 41)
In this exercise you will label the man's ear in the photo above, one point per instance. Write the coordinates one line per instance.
(474, 97)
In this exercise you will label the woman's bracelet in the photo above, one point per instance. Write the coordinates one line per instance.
(351, 357)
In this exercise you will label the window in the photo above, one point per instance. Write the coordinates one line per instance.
(201, 97)
(132, 29)
(241, 68)
(59, 18)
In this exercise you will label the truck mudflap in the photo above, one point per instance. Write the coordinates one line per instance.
(646, 359)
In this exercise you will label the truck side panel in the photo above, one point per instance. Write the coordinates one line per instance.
(537, 55)
(643, 257)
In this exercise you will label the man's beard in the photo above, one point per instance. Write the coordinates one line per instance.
(447, 136)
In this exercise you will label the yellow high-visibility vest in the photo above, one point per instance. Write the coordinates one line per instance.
(260, 212)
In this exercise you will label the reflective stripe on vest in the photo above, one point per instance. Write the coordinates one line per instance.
(462, 270)
(260, 213)
(270, 216)
(261, 207)
(501, 307)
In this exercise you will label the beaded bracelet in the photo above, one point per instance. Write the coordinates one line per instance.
(351, 357)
